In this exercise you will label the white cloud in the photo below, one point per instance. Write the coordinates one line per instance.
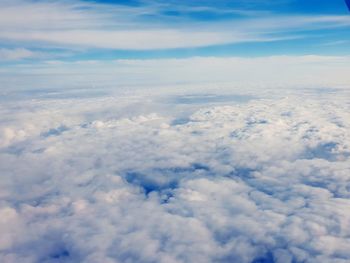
(223, 73)
(81, 181)
(84, 25)
(17, 54)
(135, 39)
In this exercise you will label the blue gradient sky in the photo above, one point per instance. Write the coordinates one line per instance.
(34, 31)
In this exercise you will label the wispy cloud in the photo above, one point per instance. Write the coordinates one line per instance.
(17, 54)
(81, 24)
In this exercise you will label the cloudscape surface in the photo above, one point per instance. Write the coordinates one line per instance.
(174, 131)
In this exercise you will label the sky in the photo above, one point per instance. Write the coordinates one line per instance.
(40, 30)
(174, 131)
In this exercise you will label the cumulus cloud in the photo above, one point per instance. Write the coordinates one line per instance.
(262, 181)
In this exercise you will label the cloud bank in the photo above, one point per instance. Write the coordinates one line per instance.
(264, 181)
(224, 73)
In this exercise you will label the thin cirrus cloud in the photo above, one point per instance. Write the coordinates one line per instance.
(17, 54)
(79, 24)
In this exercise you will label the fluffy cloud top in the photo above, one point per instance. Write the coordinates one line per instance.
(265, 181)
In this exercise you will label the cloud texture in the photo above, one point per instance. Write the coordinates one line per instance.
(265, 181)
(158, 74)
(75, 26)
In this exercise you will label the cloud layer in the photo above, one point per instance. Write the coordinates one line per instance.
(265, 181)
(224, 73)
(80, 25)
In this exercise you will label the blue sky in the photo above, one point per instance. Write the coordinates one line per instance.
(41, 30)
